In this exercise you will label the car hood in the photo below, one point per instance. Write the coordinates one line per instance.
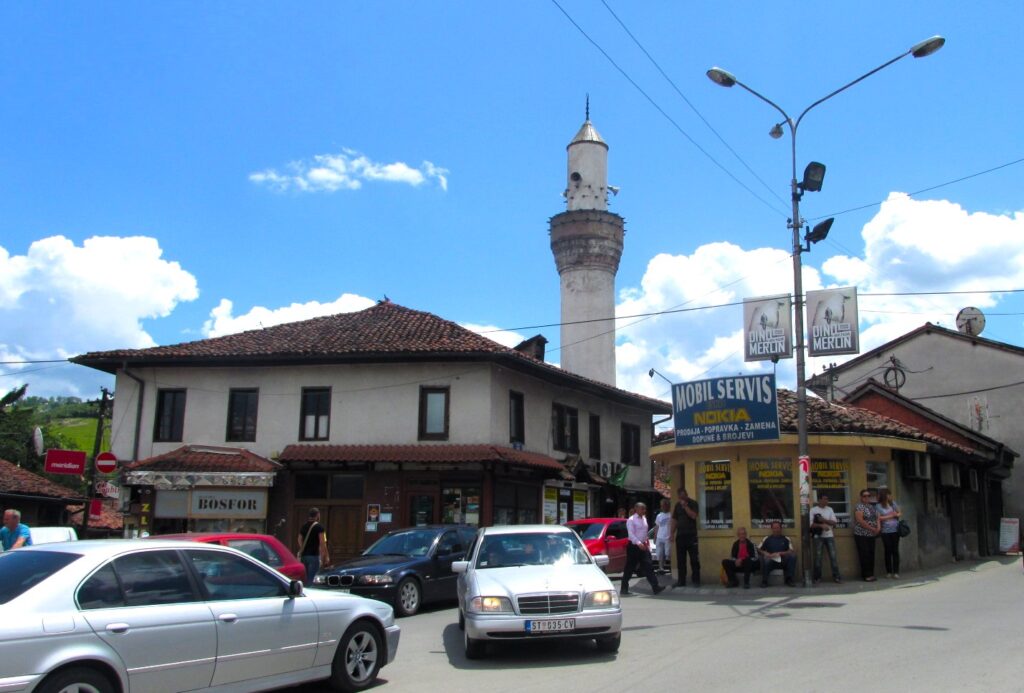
(540, 578)
(370, 564)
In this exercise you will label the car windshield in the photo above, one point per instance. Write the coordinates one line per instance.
(588, 530)
(413, 542)
(532, 548)
(23, 570)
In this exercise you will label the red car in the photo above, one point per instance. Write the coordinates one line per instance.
(262, 547)
(604, 536)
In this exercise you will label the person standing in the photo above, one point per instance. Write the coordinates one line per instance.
(313, 545)
(823, 519)
(638, 551)
(14, 535)
(684, 530)
(744, 558)
(889, 516)
(664, 535)
(865, 531)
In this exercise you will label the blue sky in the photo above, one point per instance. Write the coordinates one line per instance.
(160, 160)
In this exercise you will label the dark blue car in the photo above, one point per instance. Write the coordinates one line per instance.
(405, 568)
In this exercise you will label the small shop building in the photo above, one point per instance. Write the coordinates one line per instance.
(41, 502)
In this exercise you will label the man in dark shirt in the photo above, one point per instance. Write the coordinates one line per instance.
(684, 529)
(777, 552)
(313, 545)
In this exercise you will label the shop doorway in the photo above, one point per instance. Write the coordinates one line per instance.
(422, 509)
(344, 531)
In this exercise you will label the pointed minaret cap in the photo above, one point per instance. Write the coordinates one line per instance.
(587, 132)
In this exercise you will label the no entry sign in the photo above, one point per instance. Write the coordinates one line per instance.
(106, 462)
(64, 462)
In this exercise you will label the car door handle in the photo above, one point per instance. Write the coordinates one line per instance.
(117, 627)
(228, 618)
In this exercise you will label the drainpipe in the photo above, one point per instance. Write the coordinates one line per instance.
(138, 410)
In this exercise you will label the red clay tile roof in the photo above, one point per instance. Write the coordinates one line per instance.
(205, 458)
(20, 481)
(386, 331)
(419, 453)
(110, 516)
(829, 417)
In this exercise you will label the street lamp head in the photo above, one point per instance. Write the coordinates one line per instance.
(721, 77)
(927, 47)
(650, 373)
(814, 175)
(776, 131)
(819, 232)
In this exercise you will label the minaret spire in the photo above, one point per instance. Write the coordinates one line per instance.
(588, 108)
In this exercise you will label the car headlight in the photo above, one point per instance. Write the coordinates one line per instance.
(320, 579)
(491, 605)
(604, 599)
(384, 579)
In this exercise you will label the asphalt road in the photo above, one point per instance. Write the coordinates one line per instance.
(961, 630)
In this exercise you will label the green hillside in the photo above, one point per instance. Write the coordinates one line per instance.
(80, 433)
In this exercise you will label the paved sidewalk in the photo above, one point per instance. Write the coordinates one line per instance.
(639, 586)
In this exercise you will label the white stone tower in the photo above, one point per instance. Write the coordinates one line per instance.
(586, 240)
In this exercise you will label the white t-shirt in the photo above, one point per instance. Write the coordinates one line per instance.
(827, 513)
(664, 522)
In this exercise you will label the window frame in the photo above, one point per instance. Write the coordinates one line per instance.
(516, 417)
(629, 444)
(425, 393)
(304, 412)
(565, 428)
(594, 434)
(242, 434)
(177, 420)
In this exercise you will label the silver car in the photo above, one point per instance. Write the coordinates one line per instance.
(167, 616)
(534, 581)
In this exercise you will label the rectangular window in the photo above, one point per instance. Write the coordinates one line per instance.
(714, 481)
(170, 416)
(434, 413)
(565, 428)
(877, 477)
(315, 414)
(242, 407)
(771, 492)
(516, 418)
(630, 439)
(832, 478)
(347, 486)
(595, 437)
(311, 486)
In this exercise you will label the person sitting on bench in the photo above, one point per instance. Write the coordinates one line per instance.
(777, 553)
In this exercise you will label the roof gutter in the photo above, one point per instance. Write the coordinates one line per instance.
(138, 410)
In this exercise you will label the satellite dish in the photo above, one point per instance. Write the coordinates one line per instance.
(970, 321)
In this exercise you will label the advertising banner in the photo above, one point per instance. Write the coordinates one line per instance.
(1009, 535)
(64, 462)
(767, 328)
(771, 492)
(832, 327)
(734, 409)
(715, 482)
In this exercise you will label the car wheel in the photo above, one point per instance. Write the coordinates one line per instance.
(407, 597)
(475, 649)
(359, 657)
(76, 680)
(609, 643)
(462, 620)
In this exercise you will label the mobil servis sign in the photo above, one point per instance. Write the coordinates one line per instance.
(735, 409)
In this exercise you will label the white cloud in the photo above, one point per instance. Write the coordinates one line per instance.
(222, 321)
(909, 246)
(504, 337)
(346, 171)
(60, 299)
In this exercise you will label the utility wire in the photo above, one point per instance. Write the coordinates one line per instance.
(923, 190)
(688, 103)
(664, 113)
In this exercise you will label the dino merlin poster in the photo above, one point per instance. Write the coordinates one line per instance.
(767, 328)
(832, 322)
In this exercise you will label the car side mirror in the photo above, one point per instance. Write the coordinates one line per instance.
(601, 560)
(460, 566)
(294, 589)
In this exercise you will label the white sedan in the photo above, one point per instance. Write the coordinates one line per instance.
(534, 581)
(168, 616)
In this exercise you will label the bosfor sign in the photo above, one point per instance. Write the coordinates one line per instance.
(735, 409)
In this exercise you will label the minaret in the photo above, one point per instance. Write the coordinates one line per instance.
(586, 240)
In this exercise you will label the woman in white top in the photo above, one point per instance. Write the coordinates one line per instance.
(889, 515)
(664, 535)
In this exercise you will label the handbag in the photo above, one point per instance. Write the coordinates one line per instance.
(904, 528)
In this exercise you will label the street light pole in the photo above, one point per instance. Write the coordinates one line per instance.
(726, 79)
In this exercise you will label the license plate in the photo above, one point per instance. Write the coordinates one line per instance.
(551, 625)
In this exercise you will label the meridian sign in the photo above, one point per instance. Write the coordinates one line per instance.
(735, 409)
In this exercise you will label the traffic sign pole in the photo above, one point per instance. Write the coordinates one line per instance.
(91, 485)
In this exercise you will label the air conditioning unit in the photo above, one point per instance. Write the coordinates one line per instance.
(917, 465)
(949, 474)
(972, 479)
